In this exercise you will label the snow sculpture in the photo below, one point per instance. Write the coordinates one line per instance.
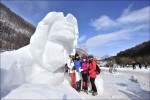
(51, 52)
(41, 61)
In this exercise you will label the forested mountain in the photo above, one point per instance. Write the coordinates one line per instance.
(139, 53)
(15, 32)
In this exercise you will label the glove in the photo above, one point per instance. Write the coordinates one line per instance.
(80, 69)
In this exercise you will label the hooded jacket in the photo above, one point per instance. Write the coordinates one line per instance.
(85, 66)
(77, 64)
(92, 68)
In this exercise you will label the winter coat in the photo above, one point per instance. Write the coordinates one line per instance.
(92, 68)
(85, 66)
(77, 64)
(70, 65)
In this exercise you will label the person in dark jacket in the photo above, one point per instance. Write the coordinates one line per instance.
(133, 65)
(145, 65)
(92, 74)
(140, 66)
(84, 66)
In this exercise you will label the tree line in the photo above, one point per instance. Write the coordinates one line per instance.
(15, 32)
(139, 53)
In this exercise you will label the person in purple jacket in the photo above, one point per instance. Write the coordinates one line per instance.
(85, 66)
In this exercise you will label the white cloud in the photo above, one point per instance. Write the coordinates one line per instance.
(82, 38)
(105, 38)
(103, 22)
(113, 37)
(127, 10)
(141, 15)
(126, 19)
(127, 26)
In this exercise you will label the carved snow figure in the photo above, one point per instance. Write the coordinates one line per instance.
(41, 61)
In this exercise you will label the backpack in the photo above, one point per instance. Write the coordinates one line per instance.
(98, 70)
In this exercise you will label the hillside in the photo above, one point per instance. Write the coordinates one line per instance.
(139, 53)
(139, 50)
(81, 51)
(15, 32)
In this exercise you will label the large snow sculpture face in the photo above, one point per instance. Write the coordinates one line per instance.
(55, 38)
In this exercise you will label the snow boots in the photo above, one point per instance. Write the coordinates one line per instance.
(85, 87)
(91, 91)
(78, 84)
(94, 93)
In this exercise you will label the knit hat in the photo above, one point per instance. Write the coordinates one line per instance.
(84, 57)
(76, 54)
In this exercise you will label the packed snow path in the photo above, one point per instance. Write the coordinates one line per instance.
(115, 85)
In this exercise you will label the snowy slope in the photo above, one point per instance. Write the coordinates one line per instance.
(116, 86)
(113, 86)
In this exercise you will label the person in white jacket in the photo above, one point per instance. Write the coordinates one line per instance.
(71, 70)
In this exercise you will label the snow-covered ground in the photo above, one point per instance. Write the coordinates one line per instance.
(36, 71)
(111, 86)
(116, 86)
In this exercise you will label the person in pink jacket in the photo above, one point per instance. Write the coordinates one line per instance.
(92, 74)
(84, 66)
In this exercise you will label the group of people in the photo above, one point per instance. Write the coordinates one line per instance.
(80, 70)
(139, 64)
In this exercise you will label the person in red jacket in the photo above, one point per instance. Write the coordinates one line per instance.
(92, 74)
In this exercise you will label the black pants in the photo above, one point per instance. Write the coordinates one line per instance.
(78, 83)
(92, 80)
(85, 80)
(85, 77)
(134, 67)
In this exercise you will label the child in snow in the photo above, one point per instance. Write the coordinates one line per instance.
(77, 64)
(85, 66)
(92, 74)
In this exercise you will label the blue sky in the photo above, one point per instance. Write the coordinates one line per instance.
(105, 27)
